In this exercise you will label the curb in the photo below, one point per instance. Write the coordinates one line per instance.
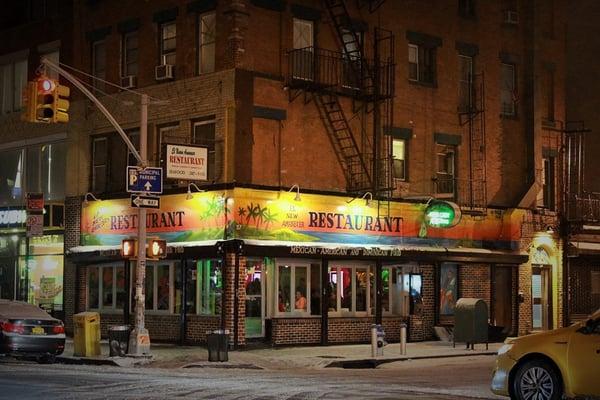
(112, 361)
(375, 362)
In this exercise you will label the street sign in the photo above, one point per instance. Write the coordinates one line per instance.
(145, 201)
(144, 180)
(35, 225)
(35, 202)
(186, 162)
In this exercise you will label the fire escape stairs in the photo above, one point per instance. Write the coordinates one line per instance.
(347, 150)
(372, 4)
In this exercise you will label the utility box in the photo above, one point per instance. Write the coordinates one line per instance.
(470, 322)
(86, 337)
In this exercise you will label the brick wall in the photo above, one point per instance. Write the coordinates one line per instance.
(582, 300)
(296, 331)
(229, 298)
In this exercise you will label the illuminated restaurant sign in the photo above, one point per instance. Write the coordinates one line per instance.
(272, 216)
(12, 217)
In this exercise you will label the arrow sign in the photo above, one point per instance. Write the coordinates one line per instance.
(145, 201)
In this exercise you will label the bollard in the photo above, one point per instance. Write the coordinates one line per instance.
(373, 341)
(403, 339)
(377, 340)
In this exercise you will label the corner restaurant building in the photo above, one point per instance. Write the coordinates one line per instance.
(270, 266)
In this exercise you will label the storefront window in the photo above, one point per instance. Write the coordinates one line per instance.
(107, 287)
(11, 176)
(149, 289)
(350, 289)
(94, 287)
(106, 282)
(416, 294)
(299, 288)
(448, 288)
(163, 287)
(120, 286)
(204, 290)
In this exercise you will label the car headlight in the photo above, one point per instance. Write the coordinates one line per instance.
(505, 349)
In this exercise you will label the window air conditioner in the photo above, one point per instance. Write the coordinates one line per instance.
(128, 82)
(163, 72)
(511, 17)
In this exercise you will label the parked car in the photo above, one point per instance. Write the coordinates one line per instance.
(551, 365)
(26, 329)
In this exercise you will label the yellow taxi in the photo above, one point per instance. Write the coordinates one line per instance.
(551, 365)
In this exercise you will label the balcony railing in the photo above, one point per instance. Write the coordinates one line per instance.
(584, 208)
(316, 69)
(465, 192)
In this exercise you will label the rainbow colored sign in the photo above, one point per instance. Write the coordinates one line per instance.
(277, 216)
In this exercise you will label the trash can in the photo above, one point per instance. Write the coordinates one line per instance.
(86, 335)
(218, 345)
(470, 322)
(118, 340)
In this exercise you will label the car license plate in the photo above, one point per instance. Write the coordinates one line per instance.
(37, 330)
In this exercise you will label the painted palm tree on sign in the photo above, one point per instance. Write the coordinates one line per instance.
(269, 218)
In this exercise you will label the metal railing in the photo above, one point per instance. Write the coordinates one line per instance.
(313, 69)
(465, 192)
(584, 208)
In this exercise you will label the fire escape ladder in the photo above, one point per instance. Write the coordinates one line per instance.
(347, 150)
(351, 45)
(473, 193)
(373, 4)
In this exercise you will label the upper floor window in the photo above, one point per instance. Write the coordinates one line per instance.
(206, 42)
(421, 64)
(549, 183)
(53, 56)
(351, 67)
(168, 41)
(303, 43)
(466, 8)
(99, 64)
(465, 89)
(445, 162)
(129, 66)
(99, 164)
(508, 90)
(13, 80)
(204, 135)
(399, 158)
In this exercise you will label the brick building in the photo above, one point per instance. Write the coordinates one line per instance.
(339, 135)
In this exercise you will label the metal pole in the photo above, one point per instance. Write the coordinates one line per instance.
(139, 341)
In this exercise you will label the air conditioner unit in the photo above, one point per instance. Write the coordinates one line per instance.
(129, 81)
(163, 72)
(511, 17)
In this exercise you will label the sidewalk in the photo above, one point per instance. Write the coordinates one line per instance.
(307, 357)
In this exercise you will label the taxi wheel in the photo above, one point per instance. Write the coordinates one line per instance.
(537, 380)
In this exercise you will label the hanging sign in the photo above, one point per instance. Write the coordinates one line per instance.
(186, 162)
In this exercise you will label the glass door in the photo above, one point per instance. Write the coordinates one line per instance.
(540, 298)
(253, 283)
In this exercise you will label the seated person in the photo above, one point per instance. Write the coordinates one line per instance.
(300, 301)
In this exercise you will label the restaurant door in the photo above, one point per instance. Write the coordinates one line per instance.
(255, 310)
(541, 297)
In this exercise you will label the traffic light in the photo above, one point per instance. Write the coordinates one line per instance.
(61, 103)
(129, 248)
(45, 100)
(157, 249)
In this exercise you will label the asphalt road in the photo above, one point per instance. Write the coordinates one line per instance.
(458, 378)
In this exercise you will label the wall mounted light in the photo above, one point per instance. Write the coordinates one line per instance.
(86, 201)
(297, 198)
(189, 195)
(368, 200)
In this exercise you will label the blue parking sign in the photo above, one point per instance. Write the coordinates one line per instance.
(144, 180)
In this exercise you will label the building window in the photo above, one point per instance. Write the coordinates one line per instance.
(167, 134)
(45, 170)
(352, 62)
(99, 164)
(298, 287)
(159, 290)
(465, 88)
(421, 64)
(168, 41)
(466, 8)
(349, 290)
(99, 65)
(129, 54)
(399, 158)
(205, 287)
(204, 135)
(106, 287)
(448, 288)
(303, 44)
(548, 187)
(134, 136)
(207, 33)
(445, 161)
(549, 96)
(13, 80)
(11, 176)
(508, 90)
(53, 56)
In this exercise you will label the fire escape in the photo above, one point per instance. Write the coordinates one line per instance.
(471, 192)
(327, 77)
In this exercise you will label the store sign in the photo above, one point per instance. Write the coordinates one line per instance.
(282, 217)
(35, 202)
(186, 162)
(345, 251)
(12, 217)
(35, 225)
(442, 214)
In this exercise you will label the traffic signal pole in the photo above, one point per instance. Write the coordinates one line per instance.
(139, 341)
